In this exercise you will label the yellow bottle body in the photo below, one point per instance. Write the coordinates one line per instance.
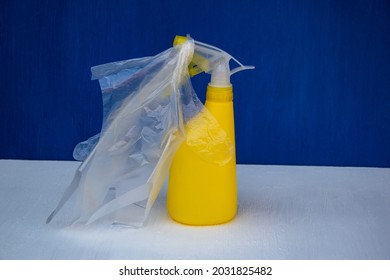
(202, 191)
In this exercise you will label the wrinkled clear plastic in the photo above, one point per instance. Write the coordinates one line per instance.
(148, 103)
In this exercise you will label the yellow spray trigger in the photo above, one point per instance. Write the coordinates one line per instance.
(212, 60)
(179, 40)
(198, 63)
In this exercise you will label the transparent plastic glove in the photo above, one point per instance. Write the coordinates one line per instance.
(147, 103)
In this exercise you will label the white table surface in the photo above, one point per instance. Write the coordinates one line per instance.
(285, 212)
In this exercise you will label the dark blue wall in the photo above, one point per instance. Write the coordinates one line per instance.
(320, 94)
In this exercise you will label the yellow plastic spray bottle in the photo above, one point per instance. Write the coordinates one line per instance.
(203, 190)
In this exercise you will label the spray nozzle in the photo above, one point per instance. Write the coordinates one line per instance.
(211, 60)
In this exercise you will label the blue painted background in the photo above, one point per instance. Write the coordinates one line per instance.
(320, 94)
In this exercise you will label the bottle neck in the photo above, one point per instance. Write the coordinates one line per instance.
(219, 94)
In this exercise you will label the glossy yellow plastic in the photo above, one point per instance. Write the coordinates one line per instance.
(202, 191)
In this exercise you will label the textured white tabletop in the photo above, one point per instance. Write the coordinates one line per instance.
(285, 212)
